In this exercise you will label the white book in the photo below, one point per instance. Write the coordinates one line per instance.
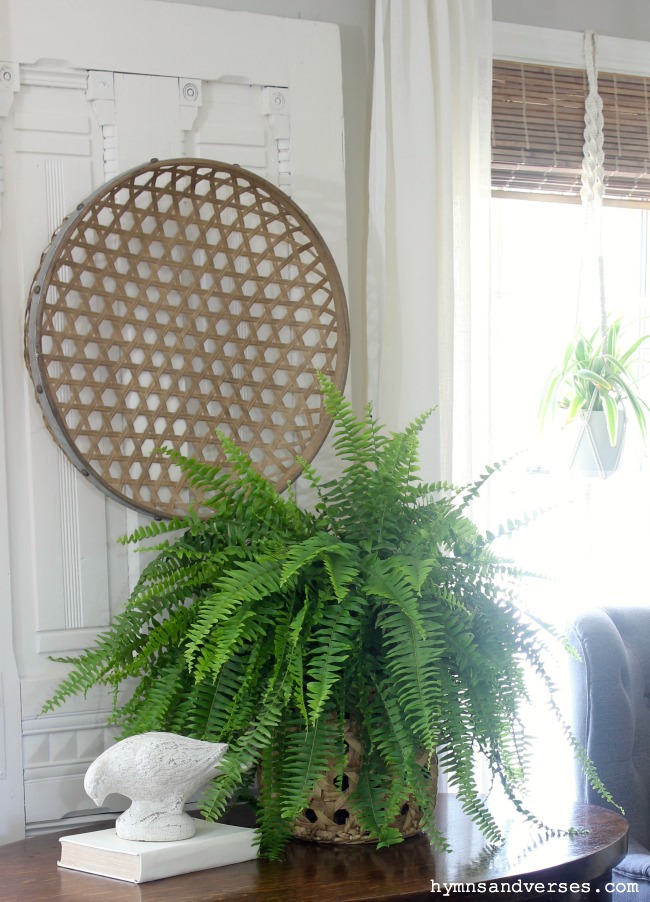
(103, 852)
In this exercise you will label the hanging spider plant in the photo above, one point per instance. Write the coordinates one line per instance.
(596, 375)
(268, 626)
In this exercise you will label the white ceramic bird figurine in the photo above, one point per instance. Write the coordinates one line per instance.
(157, 771)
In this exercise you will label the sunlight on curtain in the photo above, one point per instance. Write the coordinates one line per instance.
(428, 247)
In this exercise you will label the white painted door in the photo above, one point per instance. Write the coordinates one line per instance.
(66, 128)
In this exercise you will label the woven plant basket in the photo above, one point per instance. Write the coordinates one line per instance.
(330, 816)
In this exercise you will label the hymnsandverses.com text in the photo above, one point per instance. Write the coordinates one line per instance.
(527, 886)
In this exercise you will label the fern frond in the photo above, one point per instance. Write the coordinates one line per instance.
(387, 579)
(275, 828)
(90, 669)
(303, 553)
(372, 803)
(158, 697)
(157, 528)
(331, 645)
(244, 582)
(308, 752)
(413, 664)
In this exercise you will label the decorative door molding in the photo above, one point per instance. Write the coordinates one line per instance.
(259, 91)
(9, 85)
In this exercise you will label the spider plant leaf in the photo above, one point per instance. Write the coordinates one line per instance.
(611, 415)
(582, 350)
(575, 407)
(635, 403)
(595, 375)
(625, 356)
(549, 398)
(598, 379)
(611, 364)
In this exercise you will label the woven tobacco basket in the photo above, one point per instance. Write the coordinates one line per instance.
(330, 816)
(182, 297)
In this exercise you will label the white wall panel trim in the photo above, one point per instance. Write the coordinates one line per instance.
(53, 77)
(50, 642)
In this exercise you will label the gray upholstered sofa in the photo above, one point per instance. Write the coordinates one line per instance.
(611, 717)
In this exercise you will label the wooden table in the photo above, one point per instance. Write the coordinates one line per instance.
(408, 872)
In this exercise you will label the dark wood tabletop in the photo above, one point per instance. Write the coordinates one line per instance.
(528, 865)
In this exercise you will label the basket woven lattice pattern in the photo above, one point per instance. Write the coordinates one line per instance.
(185, 296)
(330, 816)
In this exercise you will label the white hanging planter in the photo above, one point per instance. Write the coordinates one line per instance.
(592, 453)
(594, 370)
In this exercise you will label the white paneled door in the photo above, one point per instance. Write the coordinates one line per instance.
(264, 93)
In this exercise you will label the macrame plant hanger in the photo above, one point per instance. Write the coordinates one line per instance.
(592, 275)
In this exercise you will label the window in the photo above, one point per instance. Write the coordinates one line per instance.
(536, 271)
(533, 308)
(592, 542)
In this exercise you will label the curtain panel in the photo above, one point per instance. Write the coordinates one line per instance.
(428, 246)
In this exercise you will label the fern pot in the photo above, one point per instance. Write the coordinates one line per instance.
(592, 452)
(330, 815)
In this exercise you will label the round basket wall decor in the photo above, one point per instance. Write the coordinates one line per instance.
(183, 297)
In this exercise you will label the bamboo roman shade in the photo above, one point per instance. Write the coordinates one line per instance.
(538, 125)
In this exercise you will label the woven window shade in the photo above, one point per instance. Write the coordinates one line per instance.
(538, 125)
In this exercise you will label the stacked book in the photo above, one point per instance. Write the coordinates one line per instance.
(103, 852)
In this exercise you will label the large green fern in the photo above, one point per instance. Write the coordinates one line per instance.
(262, 624)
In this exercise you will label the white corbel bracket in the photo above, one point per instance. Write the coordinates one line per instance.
(190, 96)
(9, 85)
(275, 105)
(275, 100)
(100, 92)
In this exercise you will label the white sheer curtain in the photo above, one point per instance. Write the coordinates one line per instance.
(428, 247)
